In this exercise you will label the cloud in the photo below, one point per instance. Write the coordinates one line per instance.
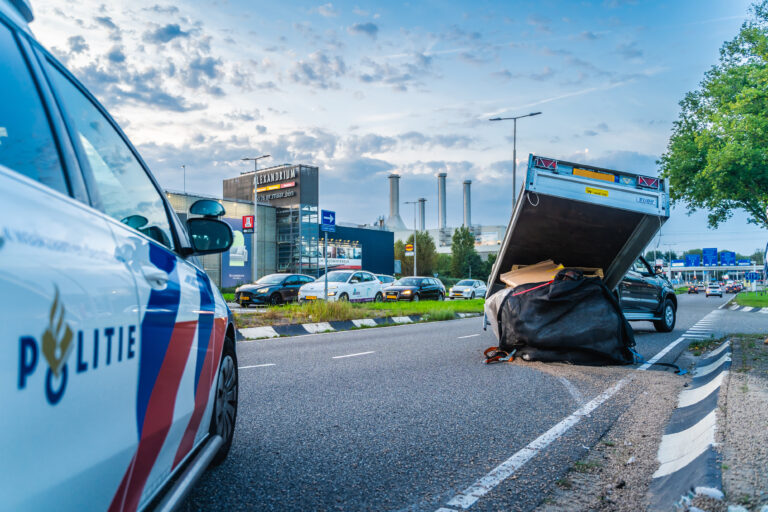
(541, 23)
(319, 70)
(164, 34)
(77, 44)
(398, 76)
(629, 50)
(368, 29)
(588, 36)
(327, 10)
(163, 9)
(116, 55)
(543, 75)
(106, 21)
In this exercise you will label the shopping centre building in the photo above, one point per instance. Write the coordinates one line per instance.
(285, 234)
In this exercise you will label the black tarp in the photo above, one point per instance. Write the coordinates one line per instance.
(572, 319)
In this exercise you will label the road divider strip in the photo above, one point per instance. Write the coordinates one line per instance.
(276, 331)
(469, 496)
(687, 458)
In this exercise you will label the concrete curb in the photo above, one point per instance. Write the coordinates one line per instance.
(276, 331)
(746, 309)
(688, 463)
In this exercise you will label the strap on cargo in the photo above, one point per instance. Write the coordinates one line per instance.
(494, 355)
(638, 359)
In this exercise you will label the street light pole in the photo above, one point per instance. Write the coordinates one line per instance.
(254, 245)
(514, 151)
(184, 167)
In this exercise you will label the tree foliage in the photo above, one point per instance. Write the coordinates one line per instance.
(464, 259)
(717, 156)
(426, 254)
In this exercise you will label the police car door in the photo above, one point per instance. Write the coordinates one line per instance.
(177, 346)
(70, 326)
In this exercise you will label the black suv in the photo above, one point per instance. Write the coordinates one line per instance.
(646, 295)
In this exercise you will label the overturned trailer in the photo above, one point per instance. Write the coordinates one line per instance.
(579, 216)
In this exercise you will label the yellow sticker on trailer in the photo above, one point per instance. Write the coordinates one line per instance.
(597, 191)
(604, 176)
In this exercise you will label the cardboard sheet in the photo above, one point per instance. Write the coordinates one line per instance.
(538, 273)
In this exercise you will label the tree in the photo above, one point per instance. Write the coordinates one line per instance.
(425, 254)
(717, 156)
(464, 259)
(443, 265)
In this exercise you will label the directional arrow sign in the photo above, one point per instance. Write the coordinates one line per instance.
(327, 221)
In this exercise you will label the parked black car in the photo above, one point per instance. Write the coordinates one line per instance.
(415, 289)
(647, 295)
(272, 289)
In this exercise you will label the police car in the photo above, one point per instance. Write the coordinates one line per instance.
(118, 365)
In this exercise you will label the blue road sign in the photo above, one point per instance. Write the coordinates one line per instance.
(727, 258)
(692, 260)
(328, 221)
(709, 257)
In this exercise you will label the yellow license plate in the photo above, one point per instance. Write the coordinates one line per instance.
(311, 297)
(602, 176)
(597, 192)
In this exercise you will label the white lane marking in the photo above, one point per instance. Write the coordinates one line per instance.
(747, 308)
(695, 395)
(353, 355)
(368, 322)
(471, 494)
(764, 310)
(252, 333)
(706, 370)
(486, 484)
(443, 509)
(401, 319)
(469, 336)
(573, 390)
(315, 328)
(734, 308)
(718, 350)
(255, 366)
(679, 449)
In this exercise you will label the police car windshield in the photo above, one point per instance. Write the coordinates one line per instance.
(271, 279)
(336, 277)
(410, 281)
(465, 282)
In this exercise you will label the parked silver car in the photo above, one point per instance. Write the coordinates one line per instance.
(467, 289)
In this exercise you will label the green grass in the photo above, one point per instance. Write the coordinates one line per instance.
(752, 299)
(681, 290)
(322, 311)
(700, 346)
(229, 297)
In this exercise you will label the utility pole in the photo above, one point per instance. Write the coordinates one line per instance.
(514, 151)
(254, 245)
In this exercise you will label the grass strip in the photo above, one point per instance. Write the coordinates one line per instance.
(752, 299)
(322, 311)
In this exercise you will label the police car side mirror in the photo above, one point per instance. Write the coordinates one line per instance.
(209, 236)
(207, 208)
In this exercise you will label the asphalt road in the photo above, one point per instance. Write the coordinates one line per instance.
(406, 417)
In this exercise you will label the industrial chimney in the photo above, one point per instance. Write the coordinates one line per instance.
(441, 224)
(467, 204)
(422, 212)
(394, 222)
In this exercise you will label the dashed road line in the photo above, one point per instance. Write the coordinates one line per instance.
(355, 355)
(255, 366)
(469, 336)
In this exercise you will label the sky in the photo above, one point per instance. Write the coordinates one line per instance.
(363, 89)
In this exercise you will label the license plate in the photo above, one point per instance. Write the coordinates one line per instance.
(311, 297)
(391, 296)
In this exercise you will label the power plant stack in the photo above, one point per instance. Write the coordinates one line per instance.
(467, 205)
(394, 222)
(444, 238)
(422, 213)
